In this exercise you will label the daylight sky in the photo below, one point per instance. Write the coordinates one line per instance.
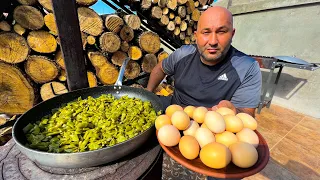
(102, 8)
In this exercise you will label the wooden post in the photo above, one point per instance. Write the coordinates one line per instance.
(65, 13)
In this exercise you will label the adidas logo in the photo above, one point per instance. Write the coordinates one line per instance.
(223, 77)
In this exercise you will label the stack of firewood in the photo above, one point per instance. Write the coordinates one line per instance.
(31, 60)
(178, 17)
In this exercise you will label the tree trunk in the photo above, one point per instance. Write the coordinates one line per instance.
(132, 70)
(28, 17)
(132, 21)
(118, 58)
(16, 93)
(149, 61)
(110, 42)
(127, 33)
(13, 48)
(90, 22)
(52, 89)
(163, 55)
(113, 23)
(50, 22)
(42, 41)
(156, 12)
(149, 42)
(135, 53)
(41, 69)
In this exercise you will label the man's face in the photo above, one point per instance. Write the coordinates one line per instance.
(214, 37)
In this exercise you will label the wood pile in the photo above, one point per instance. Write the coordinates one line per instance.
(32, 67)
(178, 17)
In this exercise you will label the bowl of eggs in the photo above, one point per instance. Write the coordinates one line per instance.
(220, 144)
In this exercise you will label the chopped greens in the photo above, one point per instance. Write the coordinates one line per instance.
(90, 124)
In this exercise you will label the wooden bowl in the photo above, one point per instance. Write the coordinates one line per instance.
(231, 171)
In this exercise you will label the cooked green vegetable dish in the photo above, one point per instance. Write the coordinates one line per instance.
(90, 124)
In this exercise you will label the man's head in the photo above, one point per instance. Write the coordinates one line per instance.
(214, 34)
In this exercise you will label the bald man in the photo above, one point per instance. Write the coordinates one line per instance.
(211, 73)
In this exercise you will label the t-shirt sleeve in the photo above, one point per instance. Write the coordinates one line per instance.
(248, 93)
(168, 64)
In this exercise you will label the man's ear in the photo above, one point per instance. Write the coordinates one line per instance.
(233, 32)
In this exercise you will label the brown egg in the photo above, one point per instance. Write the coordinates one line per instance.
(224, 111)
(191, 130)
(233, 123)
(248, 121)
(189, 110)
(173, 108)
(169, 135)
(162, 120)
(199, 114)
(180, 120)
(226, 138)
(244, 155)
(189, 147)
(249, 136)
(215, 122)
(215, 155)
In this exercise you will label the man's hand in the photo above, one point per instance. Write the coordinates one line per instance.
(228, 104)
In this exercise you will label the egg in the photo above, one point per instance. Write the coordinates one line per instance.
(244, 155)
(249, 136)
(248, 121)
(189, 147)
(215, 155)
(191, 130)
(189, 110)
(204, 136)
(173, 108)
(225, 111)
(226, 138)
(199, 114)
(203, 125)
(180, 120)
(162, 120)
(233, 123)
(215, 122)
(169, 135)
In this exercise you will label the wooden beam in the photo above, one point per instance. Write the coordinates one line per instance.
(67, 20)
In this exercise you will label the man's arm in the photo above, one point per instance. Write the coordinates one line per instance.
(228, 104)
(156, 77)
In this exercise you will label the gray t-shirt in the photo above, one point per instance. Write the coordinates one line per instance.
(237, 79)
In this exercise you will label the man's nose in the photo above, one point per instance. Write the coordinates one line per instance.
(213, 39)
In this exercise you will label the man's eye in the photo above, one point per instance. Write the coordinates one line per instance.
(222, 31)
(206, 32)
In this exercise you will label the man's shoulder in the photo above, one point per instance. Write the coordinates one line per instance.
(185, 50)
(240, 56)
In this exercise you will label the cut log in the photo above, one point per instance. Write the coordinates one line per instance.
(28, 17)
(196, 4)
(27, 2)
(177, 20)
(126, 33)
(132, 70)
(146, 4)
(50, 22)
(171, 26)
(203, 2)
(110, 42)
(171, 15)
(192, 37)
(182, 35)
(149, 61)
(165, 10)
(63, 76)
(156, 12)
(41, 69)
(52, 89)
(172, 4)
(135, 53)
(47, 4)
(86, 2)
(4, 26)
(190, 5)
(105, 71)
(132, 21)
(124, 46)
(180, 2)
(189, 31)
(91, 40)
(90, 22)
(155, 1)
(92, 80)
(16, 93)
(149, 42)
(19, 29)
(187, 40)
(176, 31)
(42, 41)
(164, 20)
(182, 11)
(163, 55)
(195, 15)
(162, 3)
(13, 48)
(113, 23)
(183, 26)
(118, 58)
(59, 60)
